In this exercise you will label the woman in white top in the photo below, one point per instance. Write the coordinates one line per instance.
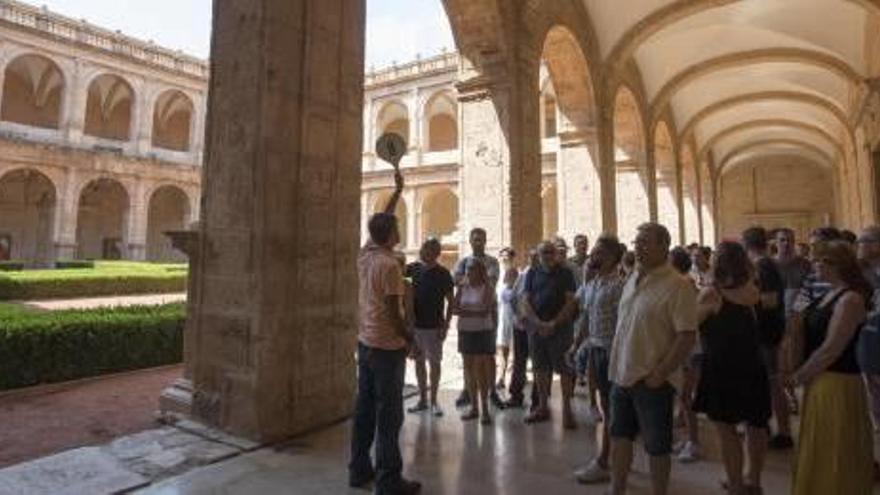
(476, 308)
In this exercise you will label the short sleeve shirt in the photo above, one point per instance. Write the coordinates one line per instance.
(431, 286)
(794, 272)
(546, 290)
(493, 268)
(379, 276)
(651, 314)
(771, 319)
(598, 300)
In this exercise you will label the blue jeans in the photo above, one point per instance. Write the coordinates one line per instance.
(378, 415)
(641, 409)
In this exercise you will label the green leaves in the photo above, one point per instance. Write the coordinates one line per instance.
(38, 348)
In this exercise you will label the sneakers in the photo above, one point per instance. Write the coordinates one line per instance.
(463, 399)
(594, 416)
(689, 453)
(780, 442)
(592, 473)
(436, 411)
(420, 406)
(514, 404)
(496, 401)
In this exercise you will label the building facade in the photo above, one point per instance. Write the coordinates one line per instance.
(102, 141)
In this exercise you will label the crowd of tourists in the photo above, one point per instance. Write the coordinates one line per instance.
(745, 334)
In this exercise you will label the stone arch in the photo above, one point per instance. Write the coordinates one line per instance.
(569, 89)
(110, 108)
(33, 92)
(690, 196)
(666, 174)
(27, 216)
(394, 117)
(168, 210)
(102, 218)
(441, 122)
(633, 202)
(172, 120)
(768, 123)
(401, 212)
(439, 216)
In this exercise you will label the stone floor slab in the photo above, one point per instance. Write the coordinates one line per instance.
(87, 470)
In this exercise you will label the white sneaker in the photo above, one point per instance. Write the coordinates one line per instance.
(689, 453)
(436, 411)
(592, 473)
(594, 416)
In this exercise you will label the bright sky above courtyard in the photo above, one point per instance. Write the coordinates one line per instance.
(397, 30)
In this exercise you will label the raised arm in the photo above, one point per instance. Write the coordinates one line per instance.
(398, 190)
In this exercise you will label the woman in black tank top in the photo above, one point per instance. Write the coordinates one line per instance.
(734, 388)
(835, 451)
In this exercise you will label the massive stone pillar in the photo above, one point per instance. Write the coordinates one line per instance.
(274, 324)
(501, 168)
(607, 169)
(136, 223)
(579, 184)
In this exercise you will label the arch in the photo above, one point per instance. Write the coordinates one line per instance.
(172, 120)
(441, 122)
(690, 196)
(569, 112)
(394, 117)
(110, 108)
(764, 96)
(439, 216)
(633, 204)
(667, 180)
(658, 20)
(799, 55)
(27, 210)
(754, 124)
(102, 220)
(729, 158)
(33, 92)
(168, 210)
(401, 212)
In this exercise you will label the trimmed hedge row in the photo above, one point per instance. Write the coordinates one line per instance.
(107, 279)
(40, 348)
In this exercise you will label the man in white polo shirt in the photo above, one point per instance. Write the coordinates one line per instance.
(656, 329)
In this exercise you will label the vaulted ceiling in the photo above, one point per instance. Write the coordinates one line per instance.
(746, 77)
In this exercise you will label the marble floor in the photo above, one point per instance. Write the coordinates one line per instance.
(448, 457)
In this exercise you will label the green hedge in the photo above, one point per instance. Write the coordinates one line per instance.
(51, 347)
(105, 279)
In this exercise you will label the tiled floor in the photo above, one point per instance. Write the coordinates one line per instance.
(449, 457)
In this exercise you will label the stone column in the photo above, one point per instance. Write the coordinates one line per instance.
(651, 179)
(136, 223)
(274, 324)
(65, 218)
(607, 169)
(410, 197)
(579, 184)
(75, 100)
(500, 179)
(197, 137)
(142, 121)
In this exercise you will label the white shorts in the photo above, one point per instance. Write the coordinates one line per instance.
(428, 340)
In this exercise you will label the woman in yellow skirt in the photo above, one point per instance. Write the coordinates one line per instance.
(835, 451)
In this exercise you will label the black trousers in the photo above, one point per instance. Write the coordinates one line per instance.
(518, 377)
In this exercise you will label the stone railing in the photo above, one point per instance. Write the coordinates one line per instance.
(56, 25)
(412, 70)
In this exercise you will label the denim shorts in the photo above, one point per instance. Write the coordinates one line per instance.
(549, 353)
(642, 410)
(599, 360)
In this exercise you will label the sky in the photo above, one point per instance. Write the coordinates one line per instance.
(397, 30)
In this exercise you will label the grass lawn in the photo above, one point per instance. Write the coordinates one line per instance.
(107, 278)
(13, 311)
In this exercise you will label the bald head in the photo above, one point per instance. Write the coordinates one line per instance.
(549, 254)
